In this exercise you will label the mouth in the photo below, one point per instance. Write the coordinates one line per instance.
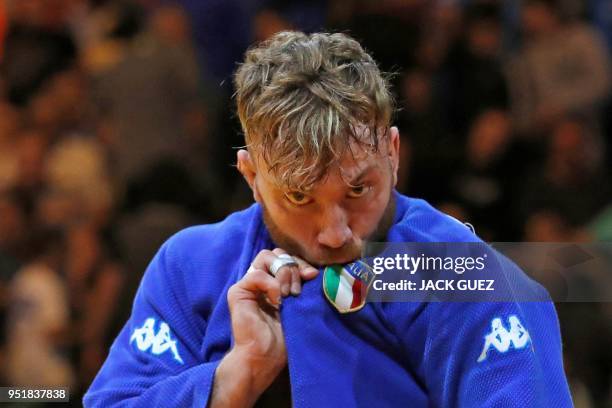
(339, 260)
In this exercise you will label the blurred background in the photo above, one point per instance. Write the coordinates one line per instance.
(117, 129)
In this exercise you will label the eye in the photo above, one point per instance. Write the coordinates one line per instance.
(298, 198)
(359, 191)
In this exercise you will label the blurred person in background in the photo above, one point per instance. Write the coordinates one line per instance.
(562, 68)
(150, 98)
(13, 248)
(374, 23)
(572, 179)
(38, 323)
(222, 30)
(10, 121)
(14, 224)
(474, 67)
(32, 147)
(485, 182)
(94, 281)
(37, 46)
(457, 76)
(76, 169)
(429, 145)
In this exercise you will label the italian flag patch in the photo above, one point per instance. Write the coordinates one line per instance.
(346, 286)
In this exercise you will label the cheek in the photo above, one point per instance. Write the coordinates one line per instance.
(368, 213)
(296, 224)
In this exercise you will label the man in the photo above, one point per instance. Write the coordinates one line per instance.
(563, 68)
(223, 308)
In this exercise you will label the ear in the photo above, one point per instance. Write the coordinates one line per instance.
(247, 168)
(394, 152)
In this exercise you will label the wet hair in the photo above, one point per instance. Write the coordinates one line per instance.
(304, 100)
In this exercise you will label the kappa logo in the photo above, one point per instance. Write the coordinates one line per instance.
(501, 339)
(147, 340)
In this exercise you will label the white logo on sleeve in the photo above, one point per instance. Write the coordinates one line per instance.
(501, 339)
(159, 343)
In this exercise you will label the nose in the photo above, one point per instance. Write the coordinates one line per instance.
(335, 231)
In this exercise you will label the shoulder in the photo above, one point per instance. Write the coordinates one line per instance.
(418, 221)
(234, 224)
(203, 258)
(217, 238)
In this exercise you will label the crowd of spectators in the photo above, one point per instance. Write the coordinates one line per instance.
(117, 129)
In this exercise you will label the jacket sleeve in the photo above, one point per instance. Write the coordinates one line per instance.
(155, 360)
(493, 354)
(501, 354)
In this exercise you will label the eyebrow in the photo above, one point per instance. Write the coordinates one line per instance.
(350, 180)
(353, 180)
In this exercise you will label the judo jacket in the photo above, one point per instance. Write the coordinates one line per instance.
(387, 354)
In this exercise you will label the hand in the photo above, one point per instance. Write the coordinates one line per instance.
(259, 352)
(289, 277)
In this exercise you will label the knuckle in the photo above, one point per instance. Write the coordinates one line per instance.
(252, 277)
(259, 258)
(265, 252)
(231, 293)
(257, 275)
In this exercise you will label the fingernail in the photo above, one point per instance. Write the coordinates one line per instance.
(285, 289)
(295, 289)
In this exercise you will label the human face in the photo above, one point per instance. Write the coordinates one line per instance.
(537, 19)
(329, 223)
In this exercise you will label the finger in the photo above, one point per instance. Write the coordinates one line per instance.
(296, 281)
(253, 284)
(279, 251)
(284, 274)
(264, 260)
(307, 271)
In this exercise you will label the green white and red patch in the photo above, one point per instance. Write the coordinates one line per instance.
(346, 286)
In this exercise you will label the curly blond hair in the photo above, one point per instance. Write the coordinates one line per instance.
(302, 99)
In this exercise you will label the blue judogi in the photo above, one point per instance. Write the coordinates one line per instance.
(385, 355)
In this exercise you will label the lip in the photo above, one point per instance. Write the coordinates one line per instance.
(339, 261)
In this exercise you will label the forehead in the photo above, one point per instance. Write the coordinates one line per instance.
(355, 162)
